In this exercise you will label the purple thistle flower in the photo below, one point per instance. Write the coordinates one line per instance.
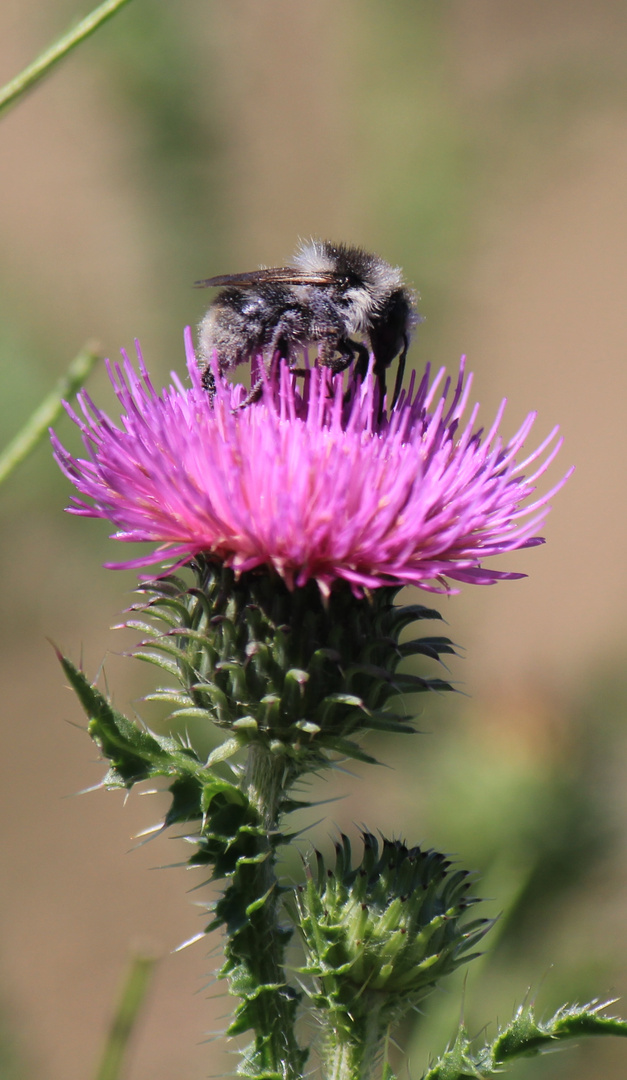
(308, 481)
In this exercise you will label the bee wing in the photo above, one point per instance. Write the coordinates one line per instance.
(284, 275)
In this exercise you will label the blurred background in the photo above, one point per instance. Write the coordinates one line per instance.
(483, 147)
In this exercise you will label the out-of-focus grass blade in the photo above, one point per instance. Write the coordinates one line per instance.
(130, 1001)
(51, 56)
(36, 428)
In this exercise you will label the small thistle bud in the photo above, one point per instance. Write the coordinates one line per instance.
(378, 936)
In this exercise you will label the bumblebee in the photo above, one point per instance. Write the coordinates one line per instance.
(329, 297)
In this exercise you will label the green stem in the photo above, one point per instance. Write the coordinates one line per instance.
(353, 1054)
(265, 784)
(123, 1024)
(262, 948)
(51, 56)
(48, 412)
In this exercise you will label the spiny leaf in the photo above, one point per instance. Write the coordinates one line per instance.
(403, 616)
(524, 1036)
(133, 752)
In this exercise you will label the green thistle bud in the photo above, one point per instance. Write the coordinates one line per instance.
(378, 936)
(300, 675)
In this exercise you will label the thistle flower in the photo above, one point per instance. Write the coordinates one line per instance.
(310, 481)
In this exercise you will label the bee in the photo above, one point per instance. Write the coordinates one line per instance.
(327, 297)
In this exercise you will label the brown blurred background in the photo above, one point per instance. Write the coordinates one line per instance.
(481, 145)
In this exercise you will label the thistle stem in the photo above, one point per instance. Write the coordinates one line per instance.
(352, 1054)
(259, 948)
(265, 782)
(51, 56)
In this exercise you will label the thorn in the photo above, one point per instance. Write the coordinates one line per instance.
(151, 828)
(190, 941)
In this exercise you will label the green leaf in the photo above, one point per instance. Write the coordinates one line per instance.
(159, 661)
(214, 786)
(224, 751)
(524, 1036)
(133, 752)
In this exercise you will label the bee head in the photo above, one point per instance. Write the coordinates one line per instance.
(364, 283)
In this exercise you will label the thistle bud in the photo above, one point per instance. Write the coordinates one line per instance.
(283, 669)
(379, 935)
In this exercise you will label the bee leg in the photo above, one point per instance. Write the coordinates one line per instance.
(256, 389)
(379, 371)
(253, 394)
(208, 381)
(400, 371)
(361, 370)
(327, 348)
(363, 359)
(277, 349)
(346, 348)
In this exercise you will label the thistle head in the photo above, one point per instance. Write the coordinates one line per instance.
(313, 482)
